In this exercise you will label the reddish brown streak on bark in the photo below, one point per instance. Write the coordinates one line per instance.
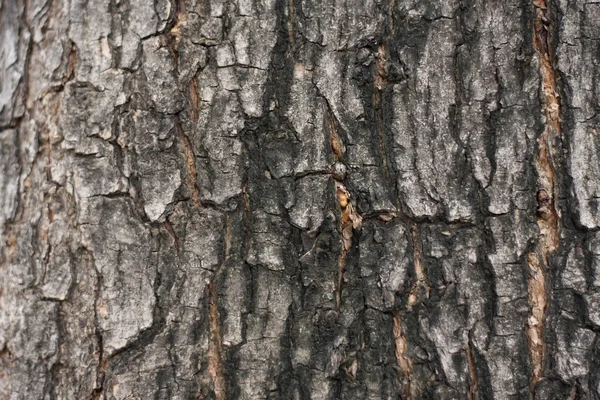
(194, 100)
(100, 376)
(335, 141)
(215, 362)
(190, 162)
(547, 215)
(419, 270)
(471, 395)
(350, 219)
(401, 347)
(71, 64)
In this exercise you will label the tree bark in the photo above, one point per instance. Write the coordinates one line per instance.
(299, 199)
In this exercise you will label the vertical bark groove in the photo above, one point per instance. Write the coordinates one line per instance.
(547, 215)
(421, 280)
(402, 359)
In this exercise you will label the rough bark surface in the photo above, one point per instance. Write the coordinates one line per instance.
(299, 199)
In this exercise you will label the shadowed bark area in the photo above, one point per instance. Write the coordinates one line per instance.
(299, 199)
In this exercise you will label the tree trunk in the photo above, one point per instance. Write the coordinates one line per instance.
(299, 199)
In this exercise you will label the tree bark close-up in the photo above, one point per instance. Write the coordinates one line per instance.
(299, 199)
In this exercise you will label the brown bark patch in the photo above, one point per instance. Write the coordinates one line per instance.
(337, 146)
(71, 64)
(194, 100)
(215, 351)
(547, 214)
(472, 394)
(190, 163)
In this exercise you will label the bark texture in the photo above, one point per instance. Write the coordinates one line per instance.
(299, 199)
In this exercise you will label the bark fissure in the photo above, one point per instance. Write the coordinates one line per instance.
(402, 359)
(190, 164)
(547, 215)
(421, 279)
(350, 219)
(472, 394)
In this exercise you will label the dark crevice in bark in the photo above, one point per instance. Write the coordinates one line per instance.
(173, 29)
(421, 279)
(70, 66)
(350, 220)
(190, 163)
(215, 362)
(194, 99)
(472, 394)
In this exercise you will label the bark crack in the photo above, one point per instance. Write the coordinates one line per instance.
(472, 394)
(190, 164)
(421, 279)
(547, 215)
(402, 359)
(350, 219)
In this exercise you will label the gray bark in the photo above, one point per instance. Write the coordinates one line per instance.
(299, 199)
